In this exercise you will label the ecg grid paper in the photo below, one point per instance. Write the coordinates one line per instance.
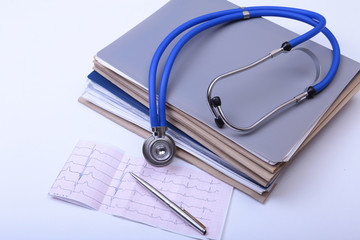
(97, 176)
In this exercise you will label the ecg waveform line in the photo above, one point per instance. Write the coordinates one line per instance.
(146, 166)
(96, 150)
(181, 203)
(180, 184)
(150, 177)
(92, 158)
(99, 177)
(147, 176)
(180, 175)
(132, 201)
(144, 194)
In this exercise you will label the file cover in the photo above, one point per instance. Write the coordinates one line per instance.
(247, 96)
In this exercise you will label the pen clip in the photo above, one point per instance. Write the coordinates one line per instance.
(202, 225)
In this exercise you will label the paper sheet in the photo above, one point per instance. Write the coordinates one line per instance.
(98, 177)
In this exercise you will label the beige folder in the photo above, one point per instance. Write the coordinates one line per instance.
(343, 98)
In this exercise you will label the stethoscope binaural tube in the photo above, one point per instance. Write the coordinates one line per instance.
(199, 24)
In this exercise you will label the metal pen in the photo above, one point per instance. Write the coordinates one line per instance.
(179, 210)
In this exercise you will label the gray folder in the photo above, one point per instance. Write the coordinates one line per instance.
(245, 97)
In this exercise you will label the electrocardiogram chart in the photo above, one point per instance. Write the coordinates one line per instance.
(97, 176)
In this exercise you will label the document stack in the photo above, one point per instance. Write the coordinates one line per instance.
(117, 89)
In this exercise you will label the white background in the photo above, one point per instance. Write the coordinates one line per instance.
(46, 53)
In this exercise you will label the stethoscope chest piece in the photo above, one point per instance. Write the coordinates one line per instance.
(159, 148)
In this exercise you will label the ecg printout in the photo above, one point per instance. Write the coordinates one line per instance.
(97, 176)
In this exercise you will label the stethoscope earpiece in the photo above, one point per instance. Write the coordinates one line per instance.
(159, 148)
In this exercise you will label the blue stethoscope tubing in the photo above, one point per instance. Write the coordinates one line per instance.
(212, 19)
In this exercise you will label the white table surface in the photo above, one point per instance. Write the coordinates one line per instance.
(46, 53)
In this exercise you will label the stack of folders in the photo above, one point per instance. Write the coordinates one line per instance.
(249, 162)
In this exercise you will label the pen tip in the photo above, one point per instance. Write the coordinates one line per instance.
(134, 176)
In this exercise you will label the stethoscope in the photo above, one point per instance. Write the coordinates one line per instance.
(160, 148)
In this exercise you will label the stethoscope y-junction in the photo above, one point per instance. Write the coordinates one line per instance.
(159, 148)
